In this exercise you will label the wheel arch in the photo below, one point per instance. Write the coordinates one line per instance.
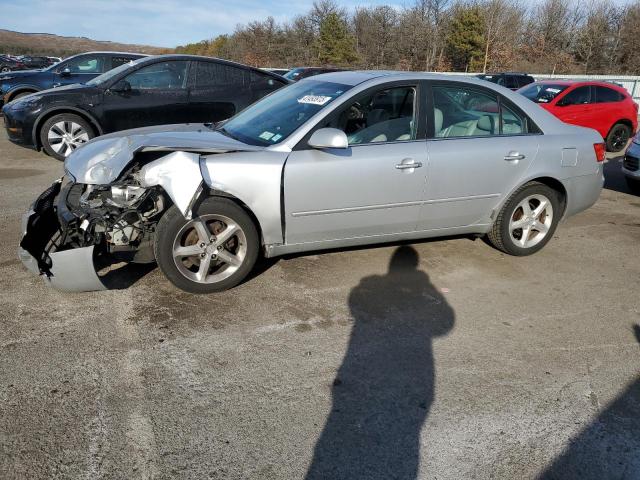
(47, 114)
(549, 181)
(213, 193)
(11, 94)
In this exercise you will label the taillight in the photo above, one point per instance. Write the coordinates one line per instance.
(601, 151)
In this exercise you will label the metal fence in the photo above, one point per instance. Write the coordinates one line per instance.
(630, 82)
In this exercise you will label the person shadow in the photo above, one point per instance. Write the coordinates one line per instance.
(384, 389)
(609, 447)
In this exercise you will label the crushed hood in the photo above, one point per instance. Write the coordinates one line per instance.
(101, 160)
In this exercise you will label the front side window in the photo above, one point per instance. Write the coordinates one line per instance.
(386, 115)
(272, 119)
(578, 96)
(114, 72)
(85, 65)
(159, 76)
(543, 92)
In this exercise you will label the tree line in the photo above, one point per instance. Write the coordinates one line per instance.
(549, 36)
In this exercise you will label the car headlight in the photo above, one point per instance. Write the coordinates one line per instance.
(636, 139)
(126, 195)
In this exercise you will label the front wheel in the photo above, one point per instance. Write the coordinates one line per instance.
(527, 221)
(5, 70)
(214, 251)
(63, 133)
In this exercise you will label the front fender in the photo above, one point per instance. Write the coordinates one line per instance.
(179, 175)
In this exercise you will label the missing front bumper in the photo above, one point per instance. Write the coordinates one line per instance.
(68, 270)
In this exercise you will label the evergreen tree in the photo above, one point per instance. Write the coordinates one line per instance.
(334, 44)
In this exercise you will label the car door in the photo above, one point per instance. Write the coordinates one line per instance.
(479, 146)
(577, 107)
(154, 94)
(217, 91)
(80, 69)
(374, 187)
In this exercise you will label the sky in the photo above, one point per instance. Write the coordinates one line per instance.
(163, 23)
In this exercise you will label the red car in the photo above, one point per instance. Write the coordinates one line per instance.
(603, 106)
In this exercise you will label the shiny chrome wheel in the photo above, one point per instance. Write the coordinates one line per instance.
(209, 248)
(65, 136)
(531, 221)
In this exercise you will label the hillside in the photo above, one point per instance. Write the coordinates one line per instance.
(17, 43)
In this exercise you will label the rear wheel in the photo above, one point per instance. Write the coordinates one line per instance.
(5, 69)
(20, 95)
(618, 137)
(212, 252)
(527, 221)
(63, 133)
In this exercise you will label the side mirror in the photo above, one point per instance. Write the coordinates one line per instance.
(328, 138)
(65, 72)
(121, 87)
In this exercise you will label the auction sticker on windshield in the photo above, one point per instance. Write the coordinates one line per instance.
(314, 99)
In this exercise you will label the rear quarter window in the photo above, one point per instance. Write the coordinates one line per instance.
(607, 95)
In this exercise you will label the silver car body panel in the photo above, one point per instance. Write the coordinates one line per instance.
(74, 271)
(178, 173)
(103, 159)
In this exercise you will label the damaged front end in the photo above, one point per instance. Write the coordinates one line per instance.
(73, 230)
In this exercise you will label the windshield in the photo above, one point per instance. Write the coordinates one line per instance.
(274, 118)
(293, 74)
(100, 79)
(542, 92)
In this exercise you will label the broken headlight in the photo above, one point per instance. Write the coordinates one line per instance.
(126, 195)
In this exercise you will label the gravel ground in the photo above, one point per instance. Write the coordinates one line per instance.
(443, 359)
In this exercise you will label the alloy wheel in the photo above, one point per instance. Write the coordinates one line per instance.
(531, 220)
(64, 137)
(209, 248)
(619, 137)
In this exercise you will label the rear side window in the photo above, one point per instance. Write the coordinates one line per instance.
(606, 95)
(117, 61)
(578, 96)
(212, 74)
(511, 81)
(467, 112)
(85, 64)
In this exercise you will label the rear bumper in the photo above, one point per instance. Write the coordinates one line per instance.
(68, 270)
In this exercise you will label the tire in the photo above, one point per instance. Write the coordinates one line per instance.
(634, 185)
(63, 133)
(618, 137)
(20, 95)
(506, 235)
(185, 269)
(5, 70)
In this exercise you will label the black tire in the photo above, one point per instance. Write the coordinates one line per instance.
(5, 70)
(618, 137)
(634, 185)
(172, 226)
(66, 119)
(500, 236)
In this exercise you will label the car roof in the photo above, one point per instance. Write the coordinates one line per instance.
(579, 82)
(355, 77)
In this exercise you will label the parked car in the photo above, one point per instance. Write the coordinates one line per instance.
(631, 165)
(156, 90)
(603, 106)
(77, 69)
(303, 72)
(510, 80)
(54, 60)
(344, 159)
(8, 64)
(33, 62)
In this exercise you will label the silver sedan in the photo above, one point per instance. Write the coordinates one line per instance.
(347, 158)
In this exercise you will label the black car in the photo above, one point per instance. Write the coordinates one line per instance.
(8, 64)
(303, 72)
(511, 80)
(157, 90)
(76, 69)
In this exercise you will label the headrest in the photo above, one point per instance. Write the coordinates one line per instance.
(485, 123)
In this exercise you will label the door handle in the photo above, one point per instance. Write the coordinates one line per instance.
(514, 156)
(404, 166)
